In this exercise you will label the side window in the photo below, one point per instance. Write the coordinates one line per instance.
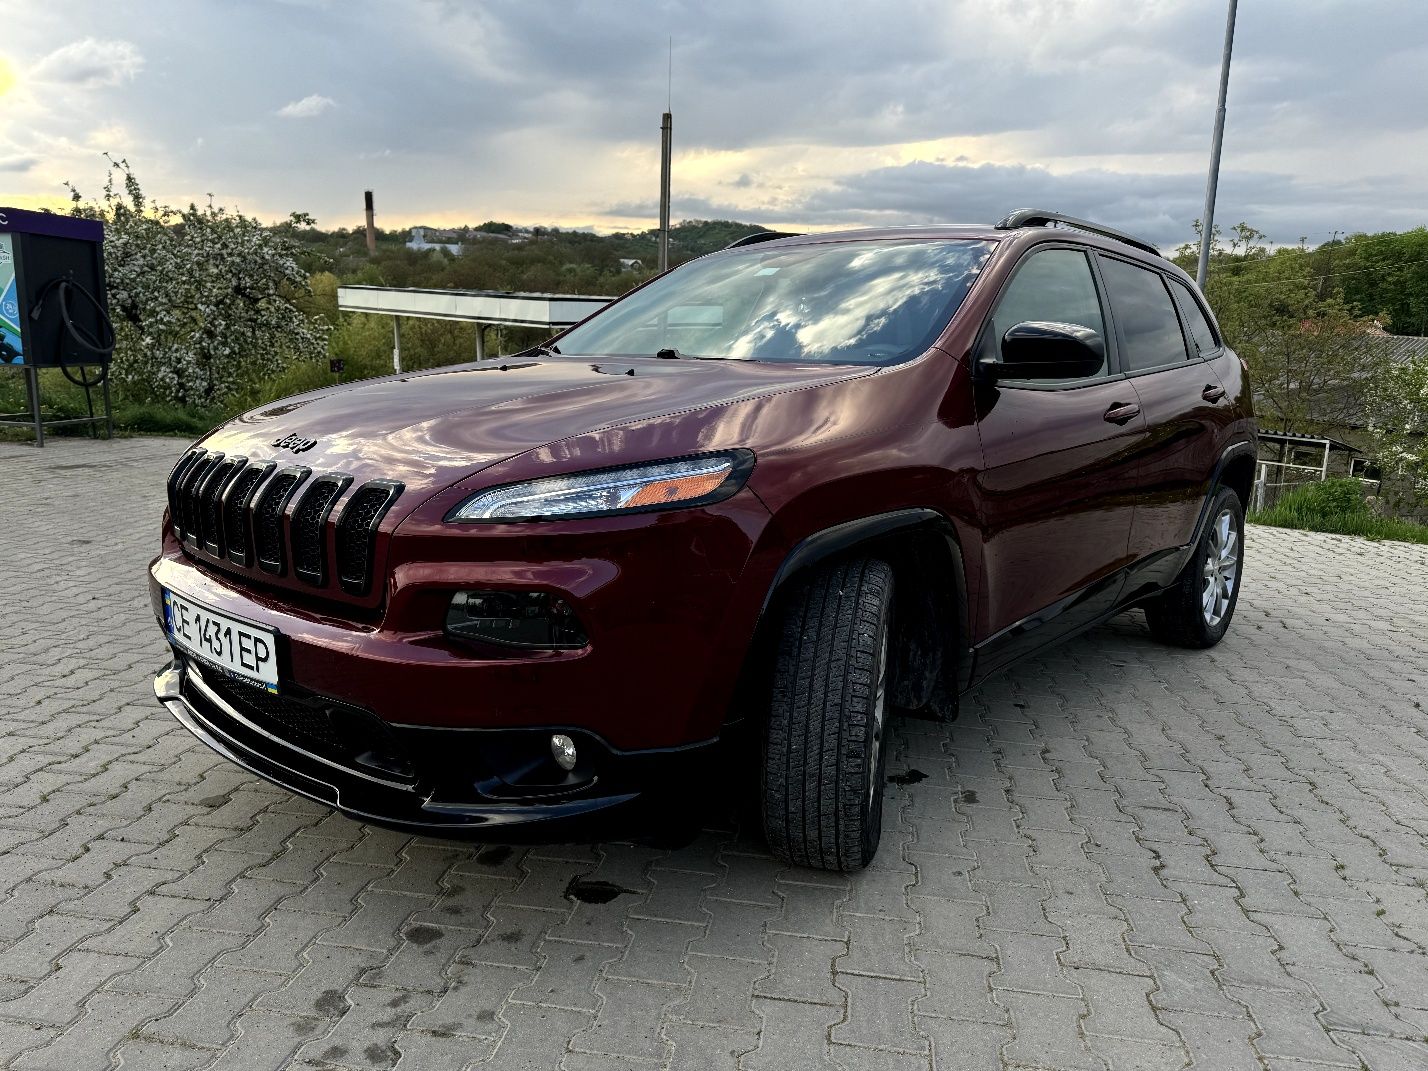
(1054, 285)
(1145, 315)
(1195, 320)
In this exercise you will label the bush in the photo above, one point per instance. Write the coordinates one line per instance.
(204, 300)
(1337, 506)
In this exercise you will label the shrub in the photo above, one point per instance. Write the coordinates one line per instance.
(1337, 506)
(203, 300)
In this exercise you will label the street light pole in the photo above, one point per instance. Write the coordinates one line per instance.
(1207, 218)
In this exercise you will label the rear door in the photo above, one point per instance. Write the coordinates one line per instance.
(1160, 332)
(1057, 490)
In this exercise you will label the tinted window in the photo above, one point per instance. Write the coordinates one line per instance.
(1195, 321)
(858, 302)
(1145, 315)
(1054, 286)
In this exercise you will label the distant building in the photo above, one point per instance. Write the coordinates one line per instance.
(631, 264)
(424, 238)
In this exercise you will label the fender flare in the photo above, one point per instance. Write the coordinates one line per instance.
(1242, 448)
(827, 543)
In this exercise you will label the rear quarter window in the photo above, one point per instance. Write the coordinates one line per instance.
(1202, 333)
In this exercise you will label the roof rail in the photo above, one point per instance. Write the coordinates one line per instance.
(759, 236)
(1037, 217)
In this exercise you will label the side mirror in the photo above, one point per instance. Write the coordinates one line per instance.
(1035, 349)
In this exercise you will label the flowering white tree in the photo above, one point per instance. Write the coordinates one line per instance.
(1397, 407)
(202, 299)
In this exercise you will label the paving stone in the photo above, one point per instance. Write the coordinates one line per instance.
(1047, 1033)
(1119, 1007)
(720, 993)
(802, 970)
(627, 1024)
(58, 998)
(808, 910)
(107, 1019)
(204, 1018)
(471, 1003)
(880, 1014)
(656, 951)
(736, 931)
(698, 1047)
(677, 896)
(567, 976)
(958, 987)
(1289, 1027)
(793, 1035)
(320, 987)
(365, 1037)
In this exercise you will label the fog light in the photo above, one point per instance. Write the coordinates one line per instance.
(562, 748)
(532, 619)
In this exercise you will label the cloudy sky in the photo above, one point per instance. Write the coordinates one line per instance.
(787, 112)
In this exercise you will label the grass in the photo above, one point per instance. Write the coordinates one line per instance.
(1337, 506)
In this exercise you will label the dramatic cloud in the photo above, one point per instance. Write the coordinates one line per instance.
(90, 64)
(307, 108)
(800, 113)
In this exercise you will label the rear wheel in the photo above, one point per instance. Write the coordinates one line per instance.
(824, 750)
(1196, 610)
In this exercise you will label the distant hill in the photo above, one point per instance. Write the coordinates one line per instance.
(548, 259)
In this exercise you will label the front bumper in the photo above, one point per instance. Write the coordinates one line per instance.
(482, 783)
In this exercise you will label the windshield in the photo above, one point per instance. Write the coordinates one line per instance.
(861, 302)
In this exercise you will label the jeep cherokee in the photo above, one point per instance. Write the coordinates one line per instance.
(795, 485)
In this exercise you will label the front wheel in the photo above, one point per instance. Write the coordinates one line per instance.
(1196, 610)
(824, 750)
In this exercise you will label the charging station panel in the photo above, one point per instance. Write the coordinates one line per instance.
(44, 324)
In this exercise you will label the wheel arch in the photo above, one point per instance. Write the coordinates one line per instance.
(930, 603)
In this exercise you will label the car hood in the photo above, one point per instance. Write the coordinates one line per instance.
(430, 429)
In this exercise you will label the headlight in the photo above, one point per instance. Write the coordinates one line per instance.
(690, 481)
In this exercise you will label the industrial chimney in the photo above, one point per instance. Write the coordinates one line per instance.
(371, 227)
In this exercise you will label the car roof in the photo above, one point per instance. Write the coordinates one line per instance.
(1031, 234)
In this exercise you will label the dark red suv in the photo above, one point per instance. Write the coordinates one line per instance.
(792, 486)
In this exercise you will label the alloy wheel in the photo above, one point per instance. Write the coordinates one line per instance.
(1221, 568)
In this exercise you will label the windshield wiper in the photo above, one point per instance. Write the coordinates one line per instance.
(549, 351)
(669, 353)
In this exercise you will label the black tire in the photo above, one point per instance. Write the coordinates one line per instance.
(1185, 615)
(824, 763)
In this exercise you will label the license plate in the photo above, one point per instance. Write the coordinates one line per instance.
(244, 650)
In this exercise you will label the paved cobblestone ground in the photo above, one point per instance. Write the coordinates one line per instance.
(1121, 856)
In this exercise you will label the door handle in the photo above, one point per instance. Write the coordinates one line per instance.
(1122, 412)
(1212, 392)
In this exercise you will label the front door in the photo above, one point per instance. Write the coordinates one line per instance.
(1061, 469)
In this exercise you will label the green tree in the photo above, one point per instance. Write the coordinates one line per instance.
(1307, 349)
(204, 299)
(1397, 406)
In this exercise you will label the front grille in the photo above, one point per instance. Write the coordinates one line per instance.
(236, 501)
(268, 519)
(357, 533)
(210, 504)
(244, 513)
(310, 527)
(340, 733)
(188, 494)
